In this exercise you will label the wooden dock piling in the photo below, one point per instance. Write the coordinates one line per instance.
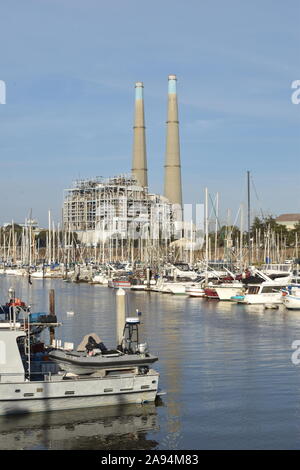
(51, 313)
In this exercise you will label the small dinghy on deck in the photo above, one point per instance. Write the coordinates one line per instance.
(92, 355)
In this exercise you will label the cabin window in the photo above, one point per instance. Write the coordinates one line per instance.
(143, 387)
(69, 392)
(253, 290)
(28, 395)
(18, 390)
(271, 289)
(108, 390)
(125, 389)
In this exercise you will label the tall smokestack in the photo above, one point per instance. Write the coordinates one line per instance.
(172, 162)
(139, 158)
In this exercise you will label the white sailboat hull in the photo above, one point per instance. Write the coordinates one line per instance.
(291, 302)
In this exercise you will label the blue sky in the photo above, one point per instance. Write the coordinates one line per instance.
(70, 68)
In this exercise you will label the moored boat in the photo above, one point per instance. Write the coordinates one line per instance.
(268, 292)
(137, 284)
(195, 290)
(123, 283)
(226, 291)
(211, 293)
(291, 295)
(30, 383)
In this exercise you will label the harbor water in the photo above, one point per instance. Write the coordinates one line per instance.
(226, 368)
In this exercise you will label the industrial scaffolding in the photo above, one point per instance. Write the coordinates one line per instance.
(103, 209)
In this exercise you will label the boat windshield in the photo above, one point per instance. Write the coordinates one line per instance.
(276, 267)
(221, 266)
(182, 266)
(271, 289)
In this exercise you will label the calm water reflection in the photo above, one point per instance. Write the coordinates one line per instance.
(226, 368)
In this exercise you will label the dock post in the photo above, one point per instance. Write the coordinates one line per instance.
(121, 315)
(148, 276)
(51, 313)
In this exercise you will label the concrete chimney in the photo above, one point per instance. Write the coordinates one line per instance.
(139, 158)
(172, 162)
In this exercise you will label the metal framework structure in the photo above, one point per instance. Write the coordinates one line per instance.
(116, 208)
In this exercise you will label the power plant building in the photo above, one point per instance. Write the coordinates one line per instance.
(117, 208)
(121, 207)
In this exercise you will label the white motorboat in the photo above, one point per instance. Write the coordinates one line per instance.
(177, 288)
(28, 386)
(173, 286)
(15, 272)
(268, 292)
(291, 295)
(38, 274)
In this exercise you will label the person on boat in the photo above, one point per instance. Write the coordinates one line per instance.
(92, 345)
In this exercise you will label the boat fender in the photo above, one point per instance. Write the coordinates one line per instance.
(16, 303)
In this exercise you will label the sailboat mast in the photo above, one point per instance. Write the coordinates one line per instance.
(249, 237)
(206, 235)
(49, 238)
(241, 237)
(216, 226)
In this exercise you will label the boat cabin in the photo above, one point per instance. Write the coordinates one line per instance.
(11, 364)
(264, 289)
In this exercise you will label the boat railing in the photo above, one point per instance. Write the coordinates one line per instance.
(11, 318)
(276, 267)
(46, 376)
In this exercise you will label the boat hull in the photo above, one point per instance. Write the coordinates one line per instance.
(211, 293)
(291, 302)
(69, 394)
(225, 293)
(262, 299)
(121, 284)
